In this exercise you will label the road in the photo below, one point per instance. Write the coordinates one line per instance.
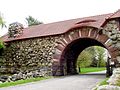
(76, 82)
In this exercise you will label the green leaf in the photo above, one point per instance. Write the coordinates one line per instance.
(32, 21)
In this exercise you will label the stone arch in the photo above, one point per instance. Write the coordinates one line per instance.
(75, 38)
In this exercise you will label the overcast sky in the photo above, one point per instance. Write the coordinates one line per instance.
(49, 11)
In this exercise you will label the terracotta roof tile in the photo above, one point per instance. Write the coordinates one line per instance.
(115, 15)
(58, 27)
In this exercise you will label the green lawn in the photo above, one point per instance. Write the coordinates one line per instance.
(91, 69)
(6, 84)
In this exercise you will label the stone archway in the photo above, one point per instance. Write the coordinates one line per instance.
(74, 42)
(72, 51)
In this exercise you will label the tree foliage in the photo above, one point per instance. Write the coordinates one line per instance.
(92, 56)
(100, 52)
(2, 22)
(1, 44)
(32, 21)
(84, 59)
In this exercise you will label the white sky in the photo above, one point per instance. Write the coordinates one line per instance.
(54, 10)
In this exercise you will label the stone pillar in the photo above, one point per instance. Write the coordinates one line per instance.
(111, 29)
(15, 30)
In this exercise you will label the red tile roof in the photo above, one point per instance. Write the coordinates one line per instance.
(61, 27)
(115, 15)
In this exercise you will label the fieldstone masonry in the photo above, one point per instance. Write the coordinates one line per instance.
(29, 55)
(111, 29)
(15, 29)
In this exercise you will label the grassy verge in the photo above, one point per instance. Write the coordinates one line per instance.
(91, 69)
(118, 82)
(6, 84)
(104, 82)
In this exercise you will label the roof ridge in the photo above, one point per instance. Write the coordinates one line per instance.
(69, 20)
(113, 14)
(75, 18)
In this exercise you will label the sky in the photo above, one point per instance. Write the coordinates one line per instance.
(49, 11)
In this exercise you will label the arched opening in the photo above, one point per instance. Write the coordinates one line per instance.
(71, 52)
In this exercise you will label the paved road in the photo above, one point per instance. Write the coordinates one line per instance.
(76, 82)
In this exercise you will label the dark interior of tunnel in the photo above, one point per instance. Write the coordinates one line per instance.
(72, 51)
(1, 50)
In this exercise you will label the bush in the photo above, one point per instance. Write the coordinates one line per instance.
(1, 48)
(1, 45)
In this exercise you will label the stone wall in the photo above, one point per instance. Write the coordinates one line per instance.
(28, 55)
(111, 29)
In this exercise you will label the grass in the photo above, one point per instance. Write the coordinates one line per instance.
(6, 84)
(118, 82)
(91, 69)
(104, 82)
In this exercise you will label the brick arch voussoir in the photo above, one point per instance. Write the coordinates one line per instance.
(105, 40)
(88, 32)
(114, 52)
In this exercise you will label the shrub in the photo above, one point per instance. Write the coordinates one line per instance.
(1, 45)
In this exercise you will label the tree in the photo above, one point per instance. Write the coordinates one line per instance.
(2, 22)
(91, 51)
(100, 52)
(32, 21)
(92, 56)
(84, 59)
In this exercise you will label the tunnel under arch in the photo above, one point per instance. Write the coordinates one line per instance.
(71, 52)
